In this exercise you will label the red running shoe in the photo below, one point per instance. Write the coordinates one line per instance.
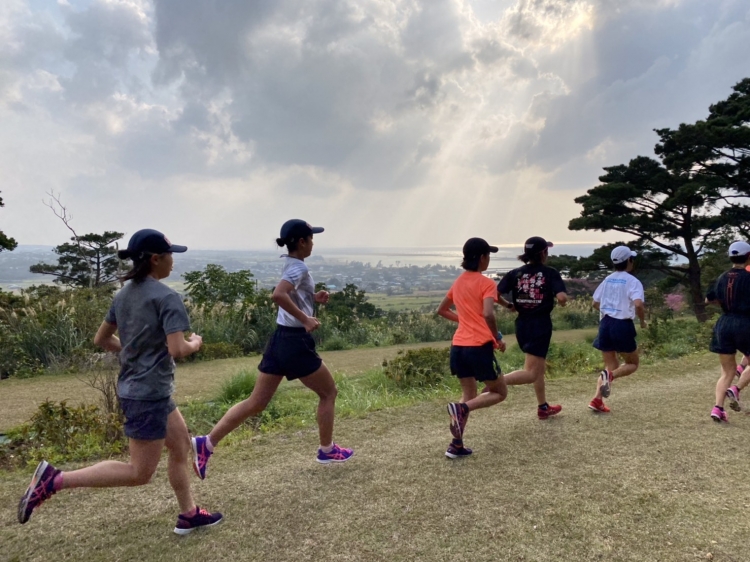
(548, 412)
(598, 405)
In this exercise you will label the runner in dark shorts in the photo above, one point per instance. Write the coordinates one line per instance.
(151, 321)
(619, 299)
(534, 288)
(473, 350)
(289, 353)
(732, 330)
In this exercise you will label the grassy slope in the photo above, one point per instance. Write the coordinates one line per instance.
(648, 482)
(20, 397)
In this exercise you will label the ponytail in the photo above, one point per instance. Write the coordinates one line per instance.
(140, 270)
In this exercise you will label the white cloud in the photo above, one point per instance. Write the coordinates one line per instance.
(395, 122)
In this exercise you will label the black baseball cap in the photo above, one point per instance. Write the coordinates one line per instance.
(535, 245)
(297, 228)
(149, 241)
(476, 247)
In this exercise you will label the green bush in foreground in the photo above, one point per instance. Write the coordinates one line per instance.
(418, 367)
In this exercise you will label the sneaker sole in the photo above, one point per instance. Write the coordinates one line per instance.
(329, 461)
(455, 425)
(24, 503)
(194, 447)
(597, 410)
(452, 456)
(734, 401)
(718, 419)
(605, 387)
(182, 532)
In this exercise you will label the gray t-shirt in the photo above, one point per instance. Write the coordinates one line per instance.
(295, 271)
(145, 313)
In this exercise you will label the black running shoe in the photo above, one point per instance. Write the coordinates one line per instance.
(455, 452)
(40, 489)
(458, 418)
(202, 518)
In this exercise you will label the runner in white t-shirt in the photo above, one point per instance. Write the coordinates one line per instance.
(619, 299)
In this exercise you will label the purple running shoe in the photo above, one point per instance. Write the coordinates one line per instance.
(338, 454)
(455, 452)
(733, 394)
(459, 414)
(202, 518)
(719, 415)
(606, 386)
(40, 489)
(201, 454)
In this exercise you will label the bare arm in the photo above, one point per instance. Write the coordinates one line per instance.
(640, 311)
(282, 298)
(105, 338)
(596, 305)
(179, 347)
(562, 298)
(445, 311)
(488, 311)
(504, 303)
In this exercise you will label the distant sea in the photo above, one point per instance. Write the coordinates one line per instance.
(506, 257)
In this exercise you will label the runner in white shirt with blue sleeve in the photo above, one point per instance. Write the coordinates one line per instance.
(619, 299)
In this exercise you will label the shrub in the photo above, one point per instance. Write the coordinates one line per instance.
(218, 350)
(418, 367)
(59, 433)
(238, 387)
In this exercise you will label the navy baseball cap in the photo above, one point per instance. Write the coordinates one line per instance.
(535, 245)
(476, 247)
(297, 228)
(149, 241)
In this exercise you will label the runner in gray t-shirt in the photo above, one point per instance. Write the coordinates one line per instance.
(151, 321)
(290, 353)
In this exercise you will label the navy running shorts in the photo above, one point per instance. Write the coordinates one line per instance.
(146, 419)
(533, 334)
(290, 353)
(616, 334)
(477, 361)
(731, 333)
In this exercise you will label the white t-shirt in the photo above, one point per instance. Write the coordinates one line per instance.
(616, 294)
(295, 272)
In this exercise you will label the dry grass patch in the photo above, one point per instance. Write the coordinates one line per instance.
(648, 482)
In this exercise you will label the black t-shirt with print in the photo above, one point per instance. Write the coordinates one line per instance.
(732, 290)
(532, 288)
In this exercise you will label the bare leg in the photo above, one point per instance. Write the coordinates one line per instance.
(744, 378)
(728, 368)
(178, 445)
(321, 382)
(496, 392)
(144, 458)
(630, 365)
(469, 389)
(264, 389)
(532, 373)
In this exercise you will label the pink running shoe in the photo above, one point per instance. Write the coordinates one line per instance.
(733, 394)
(201, 454)
(719, 415)
(40, 489)
(338, 454)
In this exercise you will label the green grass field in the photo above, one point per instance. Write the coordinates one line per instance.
(415, 301)
(654, 480)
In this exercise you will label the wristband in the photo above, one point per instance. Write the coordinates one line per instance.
(499, 336)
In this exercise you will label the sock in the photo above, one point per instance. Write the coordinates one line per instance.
(327, 449)
(190, 513)
(464, 408)
(457, 443)
(720, 408)
(209, 445)
(543, 406)
(57, 483)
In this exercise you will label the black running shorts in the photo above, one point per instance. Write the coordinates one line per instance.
(616, 334)
(731, 333)
(290, 353)
(474, 361)
(146, 419)
(533, 334)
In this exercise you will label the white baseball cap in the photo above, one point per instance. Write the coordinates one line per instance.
(622, 254)
(739, 248)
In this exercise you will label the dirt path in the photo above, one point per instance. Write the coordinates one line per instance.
(654, 480)
(19, 397)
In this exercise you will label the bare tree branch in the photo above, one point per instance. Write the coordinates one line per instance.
(61, 212)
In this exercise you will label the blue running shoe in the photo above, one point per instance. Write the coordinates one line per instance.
(338, 454)
(201, 454)
(40, 489)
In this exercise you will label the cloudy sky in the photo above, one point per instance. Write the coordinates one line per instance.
(389, 122)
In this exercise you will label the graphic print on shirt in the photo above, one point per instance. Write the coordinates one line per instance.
(530, 290)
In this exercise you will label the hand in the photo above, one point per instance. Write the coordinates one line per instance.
(196, 341)
(643, 324)
(322, 297)
(311, 324)
(501, 346)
